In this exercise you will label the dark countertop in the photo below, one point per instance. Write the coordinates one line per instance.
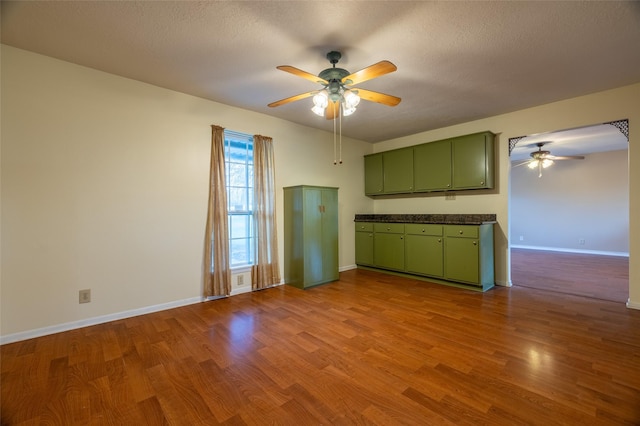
(447, 219)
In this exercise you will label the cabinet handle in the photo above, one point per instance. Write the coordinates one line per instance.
(388, 229)
(423, 230)
(448, 185)
(362, 227)
(439, 240)
(481, 182)
(402, 238)
(461, 232)
(475, 243)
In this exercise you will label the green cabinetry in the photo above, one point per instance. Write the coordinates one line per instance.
(389, 172)
(469, 254)
(432, 166)
(459, 255)
(424, 249)
(398, 170)
(388, 246)
(364, 243)
(473, 161)
(373, 174)
(310, 235)
(460, 163)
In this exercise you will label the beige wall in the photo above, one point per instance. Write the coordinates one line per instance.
(104, 187)
(560, 208)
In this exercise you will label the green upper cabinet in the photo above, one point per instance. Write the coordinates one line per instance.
(432, 166)
(373, 174)
(398, 170)
(460, 163)
(473, 161)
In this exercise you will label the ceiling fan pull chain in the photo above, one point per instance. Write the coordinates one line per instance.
(340, 145)
(334, 142)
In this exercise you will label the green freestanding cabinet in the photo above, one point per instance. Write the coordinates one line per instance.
(310, 235)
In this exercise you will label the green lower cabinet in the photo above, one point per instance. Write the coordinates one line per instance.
(469, 254)
(424, 255)
(388, 246)
(462, 260)
(460, 255)
(364, 244)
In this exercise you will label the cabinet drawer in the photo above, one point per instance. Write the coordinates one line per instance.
(364, 226)
(423, 229)
(391, 228)
(468, 231)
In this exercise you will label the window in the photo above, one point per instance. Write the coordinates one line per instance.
(238, 154)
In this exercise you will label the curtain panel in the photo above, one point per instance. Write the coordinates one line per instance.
(266, 271)
(217, 273)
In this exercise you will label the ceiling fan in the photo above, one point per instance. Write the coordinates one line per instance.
(337, 95)
(542, 159)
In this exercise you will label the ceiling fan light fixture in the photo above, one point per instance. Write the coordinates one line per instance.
(321, 99)
(348, 110)
(318, 110)
(351, 99)
(546, 163)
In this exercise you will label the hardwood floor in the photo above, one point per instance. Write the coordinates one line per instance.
(367, 349)
(590, 275)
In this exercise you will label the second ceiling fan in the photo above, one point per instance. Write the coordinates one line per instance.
(542, 159)
(337, 95)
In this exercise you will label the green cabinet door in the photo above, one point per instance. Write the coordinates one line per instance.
(364, 243)
(473, 161)
(432, 166)
(461, 260)
(398, 170)
(373, 174)
(388, 251)
(424, 255)
(329, 225)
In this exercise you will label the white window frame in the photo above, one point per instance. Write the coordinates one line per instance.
(240, 199)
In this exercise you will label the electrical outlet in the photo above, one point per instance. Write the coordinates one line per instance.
(240, 280)
(521, 238)
(581, 241)
(84, 296)
(450, 197)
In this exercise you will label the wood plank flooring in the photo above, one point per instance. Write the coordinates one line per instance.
(369, 349)
(590, 275)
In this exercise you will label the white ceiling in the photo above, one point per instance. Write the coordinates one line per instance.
(457, 61)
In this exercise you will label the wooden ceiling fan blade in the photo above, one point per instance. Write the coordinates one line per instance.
(293, 98)
(332, 111)
(372, 71)
(381, 98)
(303, 74)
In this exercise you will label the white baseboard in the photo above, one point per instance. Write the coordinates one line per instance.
(503, 283)
(38, 332)
(633, 305)
(568, 250)
(347, 268)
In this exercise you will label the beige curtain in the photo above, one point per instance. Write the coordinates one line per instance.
(266, 271)
(217, 280)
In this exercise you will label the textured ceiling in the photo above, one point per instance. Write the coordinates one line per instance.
(457, 61)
